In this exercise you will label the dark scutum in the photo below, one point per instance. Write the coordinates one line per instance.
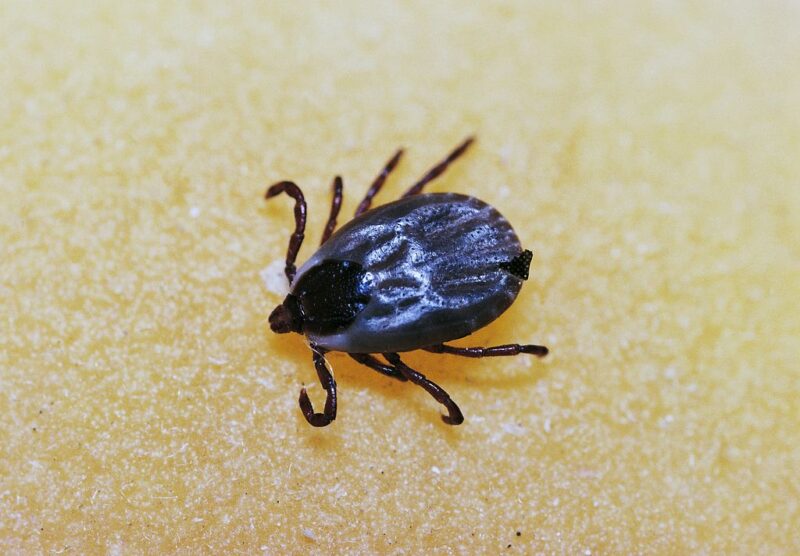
(331, 295)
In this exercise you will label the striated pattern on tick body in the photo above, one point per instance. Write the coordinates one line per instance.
(434, 265)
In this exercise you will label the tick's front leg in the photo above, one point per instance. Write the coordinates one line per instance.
(329, 384)
(296, 239)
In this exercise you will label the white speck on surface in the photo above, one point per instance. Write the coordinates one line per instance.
(666, 208)
(555, 502)
(274, 278)
(514, 428)
(217, 360)
(206, 37)
(180, 450)
(197, 520)
(194, 212)
(505, 153)
(645, 249)
(547, 425)
(309, 534)
(666, 421)
(338, 490)
(436, 470)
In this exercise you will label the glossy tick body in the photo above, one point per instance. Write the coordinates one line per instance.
(412, 274)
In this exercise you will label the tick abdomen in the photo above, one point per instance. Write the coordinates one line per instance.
(437, 265)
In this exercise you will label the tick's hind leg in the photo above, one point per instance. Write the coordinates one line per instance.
(493, 351)
(378, 183)
(296, 239)
(439, 169)
(329, 384)
(374, 364)
(336, 205)
(454, 415)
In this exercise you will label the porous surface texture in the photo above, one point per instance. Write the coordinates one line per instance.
(647, 153)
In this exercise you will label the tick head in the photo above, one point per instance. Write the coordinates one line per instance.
(286, 317)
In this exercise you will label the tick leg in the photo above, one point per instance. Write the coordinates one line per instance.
(493, 351)
(296, 240)
(378, 183)
(373, 363)
(329, 384)
(454, 417)
(437, 170)
(336, 205)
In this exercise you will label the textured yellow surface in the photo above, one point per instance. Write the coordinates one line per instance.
(648, 156)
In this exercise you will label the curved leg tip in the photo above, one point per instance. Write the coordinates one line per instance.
(319, 420)
(273, 190)
(305, 403)
(314, 419)
(454, 415)
(538, 351)
(453, 419)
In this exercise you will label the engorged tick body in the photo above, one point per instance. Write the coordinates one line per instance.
(412, 274)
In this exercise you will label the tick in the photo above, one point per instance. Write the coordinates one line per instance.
(411, 274)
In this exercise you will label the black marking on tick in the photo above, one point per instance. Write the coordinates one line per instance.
(412, 274)
(331, 295)
(519, 265)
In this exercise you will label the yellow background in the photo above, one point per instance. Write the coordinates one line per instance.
(646, 153)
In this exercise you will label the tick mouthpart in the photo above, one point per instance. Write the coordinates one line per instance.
(285, 317)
